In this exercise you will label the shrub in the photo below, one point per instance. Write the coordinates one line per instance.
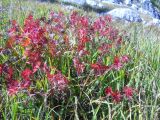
(60, 59)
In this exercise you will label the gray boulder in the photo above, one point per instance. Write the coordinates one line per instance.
(112, 1)
(94, 3)
(128, 2)
(125, 14)
(145, 1)
(78, 2)
(123, 9)
(147, 5)
(154, 22)
(99, 3)
(135, 7)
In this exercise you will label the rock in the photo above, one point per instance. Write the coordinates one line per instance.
(128, 10)
(125, 14)
(144, 22)
(69, 7)
(154, 22)
(145, 1)
(128, 2)
(147, 5)
(101, 3)
(135, 7)
(78, 2)
(94, 3)
(112, 1)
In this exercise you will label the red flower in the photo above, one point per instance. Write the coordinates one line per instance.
(14, 23)
(80, 47)
(124, 58)
(82, 34)
(84, 21)
(9, 72)
(74, 18)
(33, 56)
(108, 18)
(119, 40)
(36, 66)
(105, 48)
(12, 90)
(99, 24)
(99, 69)
(108, 91)
(95, 66)
(26, 74)
(1, 67)
(117, 63)
(113, 34)
(128, 91)
(13, 87)
(58, 81)
(116, 96)
(84, 39)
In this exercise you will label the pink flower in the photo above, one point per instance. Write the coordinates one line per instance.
(128, 92)
(26, 74)
(125, 58)
(36, 66)
(117, 63)
(108, 91)
(1, 67)
(84, 21)
(33, 56)
(58, 81)
(13, 87)
(12, 90)
(113, 33)
(99, 69)
(99, 24)
(9, 71)
(119, 40)
(74, 18)
(82, 34)
(108, 18)
(105, 48)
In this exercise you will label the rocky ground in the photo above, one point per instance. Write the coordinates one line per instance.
(128, 10)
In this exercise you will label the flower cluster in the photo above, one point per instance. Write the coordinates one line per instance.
(117, 96)
(61, 42)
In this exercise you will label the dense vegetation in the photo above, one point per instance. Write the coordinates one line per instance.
(57, 64)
